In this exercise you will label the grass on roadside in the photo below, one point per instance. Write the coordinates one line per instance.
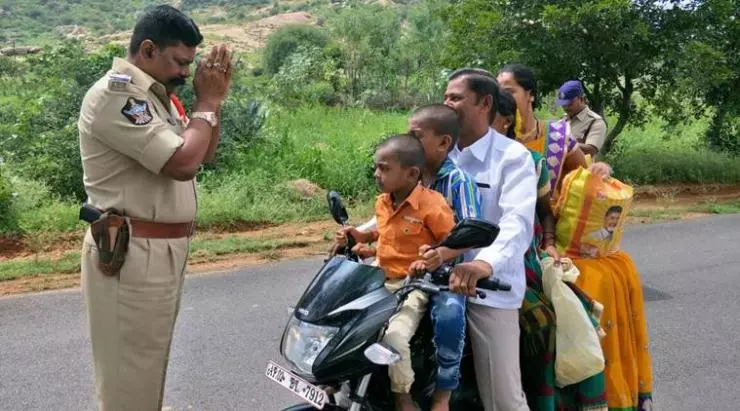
(206, 249)
(731, 207)
(676, 213)
(69, 263)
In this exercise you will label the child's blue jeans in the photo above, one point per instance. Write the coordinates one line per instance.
(448, 319)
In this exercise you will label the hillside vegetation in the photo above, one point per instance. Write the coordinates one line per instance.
(320, 83)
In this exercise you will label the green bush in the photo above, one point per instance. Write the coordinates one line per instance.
(331, 147)
(256, 196)
(44, 143)
(35, 208)
(660, 154)
(661, 165)
(303, 79)
(724, 132)
(283, 42)
(8, 218)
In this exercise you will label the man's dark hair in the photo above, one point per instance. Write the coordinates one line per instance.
(507, 107)
(524, 76)
(613, 210)
(441, 119)
(406, 149)
(165, 26)
(482, 83)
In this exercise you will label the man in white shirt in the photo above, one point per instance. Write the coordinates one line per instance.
(506, 178)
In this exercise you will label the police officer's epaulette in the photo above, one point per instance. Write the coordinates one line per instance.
(118, 82)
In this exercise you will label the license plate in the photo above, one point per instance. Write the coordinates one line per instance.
(300, 387)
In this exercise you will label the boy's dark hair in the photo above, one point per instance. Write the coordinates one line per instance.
(482, 83)
(525, 77)
(441, 119)
(407, 150)
(507, 107)
(165, 26)
(614, 210)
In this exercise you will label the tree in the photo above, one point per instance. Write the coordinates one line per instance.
(709, 40)
(367, 37)
(422, 51)
(612, 46)
(283, 42)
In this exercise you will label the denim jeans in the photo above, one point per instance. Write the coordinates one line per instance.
(448, 318)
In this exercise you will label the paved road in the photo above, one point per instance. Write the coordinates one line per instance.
(230, 326)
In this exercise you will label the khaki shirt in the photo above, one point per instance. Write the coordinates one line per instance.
(580, 123)
(129, 129)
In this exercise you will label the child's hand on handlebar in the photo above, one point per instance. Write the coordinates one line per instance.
(363, 251)
(340, 237)
(417, 268)
(431, 258)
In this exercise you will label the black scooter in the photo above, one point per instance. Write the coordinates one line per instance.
(333, 340)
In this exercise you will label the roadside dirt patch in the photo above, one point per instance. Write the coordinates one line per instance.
(217, 264)
(10, 247)
(684, 195)
(39, 283)
(51, 246)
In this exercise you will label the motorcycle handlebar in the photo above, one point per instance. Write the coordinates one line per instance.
(442, 277)
(493, 284)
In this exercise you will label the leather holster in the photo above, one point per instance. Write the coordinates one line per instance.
(111, 233)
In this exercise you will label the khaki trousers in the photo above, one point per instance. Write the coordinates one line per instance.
(131, 319)
(494, 336)
(401, 329)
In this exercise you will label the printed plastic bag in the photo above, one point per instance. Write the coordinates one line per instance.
(578, 353)
(591, 214)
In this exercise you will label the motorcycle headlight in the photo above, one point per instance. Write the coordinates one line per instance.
(303, 342)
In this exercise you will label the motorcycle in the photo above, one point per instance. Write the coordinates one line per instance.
(333, 340)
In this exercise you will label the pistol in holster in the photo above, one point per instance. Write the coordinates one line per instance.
(111, 232)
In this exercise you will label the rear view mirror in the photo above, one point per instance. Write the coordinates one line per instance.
(336, 208)
(471, 233)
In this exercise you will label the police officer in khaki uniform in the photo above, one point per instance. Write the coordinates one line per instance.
(586, 126)
(139, 161)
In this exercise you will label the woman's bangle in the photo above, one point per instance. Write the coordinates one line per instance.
(549, 239)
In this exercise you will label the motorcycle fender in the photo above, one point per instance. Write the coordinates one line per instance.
(309, 407)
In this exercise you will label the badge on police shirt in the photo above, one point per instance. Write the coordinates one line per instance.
(137, 111)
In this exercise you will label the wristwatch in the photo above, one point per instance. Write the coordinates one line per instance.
(208, 116)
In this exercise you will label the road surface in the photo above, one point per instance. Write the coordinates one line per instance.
(230, 325)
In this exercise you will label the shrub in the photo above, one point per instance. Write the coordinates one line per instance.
(283, 42)
(8, 220)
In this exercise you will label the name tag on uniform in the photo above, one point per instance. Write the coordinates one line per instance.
(118, 82)
(412, 220)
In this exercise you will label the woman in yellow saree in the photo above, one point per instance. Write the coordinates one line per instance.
(613, 280)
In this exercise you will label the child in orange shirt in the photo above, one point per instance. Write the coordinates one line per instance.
(409, 216)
